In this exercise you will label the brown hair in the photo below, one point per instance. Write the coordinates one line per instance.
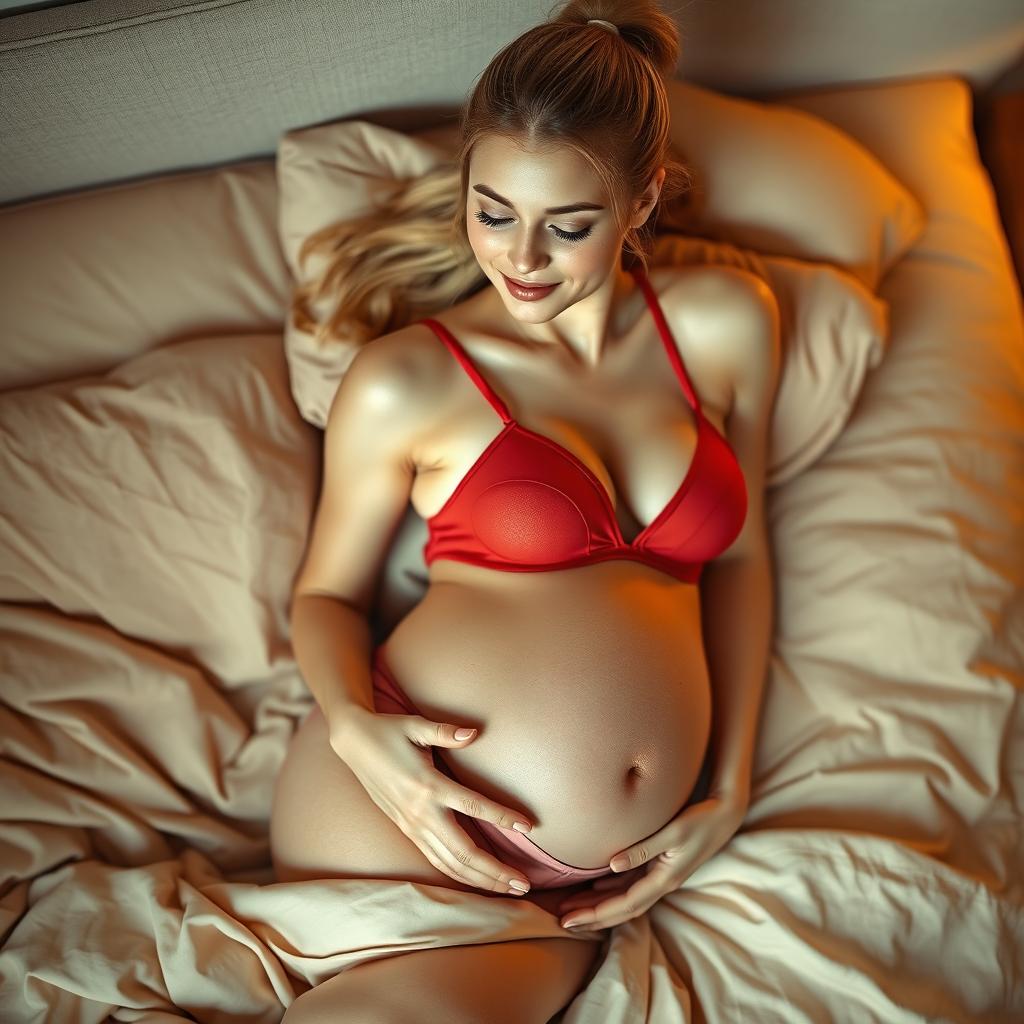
(562, 83)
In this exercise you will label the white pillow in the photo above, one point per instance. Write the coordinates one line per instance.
(170, 498)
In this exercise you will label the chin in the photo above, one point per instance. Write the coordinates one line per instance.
(530, 314)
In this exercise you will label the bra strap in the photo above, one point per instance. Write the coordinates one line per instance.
(666, 335)
(462, 356)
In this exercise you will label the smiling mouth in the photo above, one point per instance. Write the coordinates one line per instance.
(523, 284)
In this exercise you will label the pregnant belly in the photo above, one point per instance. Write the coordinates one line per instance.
(589, 688)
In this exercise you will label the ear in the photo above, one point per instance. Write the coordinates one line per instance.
(646, 203)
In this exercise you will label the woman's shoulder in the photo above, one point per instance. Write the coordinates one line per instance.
(716, 314)
(410, 369)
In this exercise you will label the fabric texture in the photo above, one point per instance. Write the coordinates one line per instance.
(1002, 145)
(784, 182)
(168, 498)
(90, 280)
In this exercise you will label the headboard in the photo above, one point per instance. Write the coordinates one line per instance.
(102, 91)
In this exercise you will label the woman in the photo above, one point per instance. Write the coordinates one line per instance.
(582, 440)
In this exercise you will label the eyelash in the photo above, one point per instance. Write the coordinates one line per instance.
(573, 237)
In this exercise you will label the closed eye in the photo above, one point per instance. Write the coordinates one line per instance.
(566, 236)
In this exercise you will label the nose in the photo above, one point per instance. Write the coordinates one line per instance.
(527, 256)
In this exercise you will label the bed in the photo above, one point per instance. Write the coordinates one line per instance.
(160, 438)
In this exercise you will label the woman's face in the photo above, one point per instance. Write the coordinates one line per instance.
(518, 236)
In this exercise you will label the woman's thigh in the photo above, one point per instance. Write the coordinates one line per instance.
(324, 825)
(527, 981)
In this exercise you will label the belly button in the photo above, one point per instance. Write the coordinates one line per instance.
(635, 773)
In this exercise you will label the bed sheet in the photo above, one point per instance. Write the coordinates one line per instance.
(877, 877)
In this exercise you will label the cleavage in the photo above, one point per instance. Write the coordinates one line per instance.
(632, 527)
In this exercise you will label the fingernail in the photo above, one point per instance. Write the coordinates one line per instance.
(619, 865)
(521, 826)
(571, 924)
(463, 734)
(521, 886)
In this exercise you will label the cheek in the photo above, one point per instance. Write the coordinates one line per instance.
(480, 240)
(587, 263)
(485, 241)
(592, 259)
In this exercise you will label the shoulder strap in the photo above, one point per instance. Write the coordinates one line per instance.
(467, 364)
(666, 335)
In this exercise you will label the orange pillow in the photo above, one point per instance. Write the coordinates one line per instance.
(783, 181)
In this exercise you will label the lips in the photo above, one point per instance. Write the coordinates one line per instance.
(528, 293)
(527, 284)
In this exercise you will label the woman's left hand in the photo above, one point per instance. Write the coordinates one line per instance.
(670, 856)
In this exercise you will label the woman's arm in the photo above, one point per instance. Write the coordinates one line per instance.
(736, 589)
(369, 467)
(737, 607)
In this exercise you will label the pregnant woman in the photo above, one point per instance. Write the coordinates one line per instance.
(586, 443)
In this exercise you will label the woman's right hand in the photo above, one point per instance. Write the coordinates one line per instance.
(390, 755)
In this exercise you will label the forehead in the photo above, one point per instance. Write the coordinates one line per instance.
(542, 175)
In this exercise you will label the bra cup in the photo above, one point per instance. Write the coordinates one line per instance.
(713, 509)
(528, 521)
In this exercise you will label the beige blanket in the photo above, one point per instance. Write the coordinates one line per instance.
(151, 522)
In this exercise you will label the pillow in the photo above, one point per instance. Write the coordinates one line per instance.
(125, 255)
(170, 498)
(783, 181)
(833, 328)
(330, 173)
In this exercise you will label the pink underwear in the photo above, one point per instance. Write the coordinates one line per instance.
(510, 847)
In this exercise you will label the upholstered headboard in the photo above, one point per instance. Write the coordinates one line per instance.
(106, 90)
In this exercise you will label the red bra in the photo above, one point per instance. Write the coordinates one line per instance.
(530, 505)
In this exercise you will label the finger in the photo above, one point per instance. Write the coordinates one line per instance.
(425, 733)
(604, 925)
(673, 856)
(471, 864)
(586, 900)
(641, 895)
(452, 863)
(604, 887)
(473, 805)
(450, 850)
(635, 856)
(618, 880)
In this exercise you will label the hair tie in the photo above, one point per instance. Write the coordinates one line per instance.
(604, 24)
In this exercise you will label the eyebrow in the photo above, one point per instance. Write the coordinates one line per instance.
(571, 208)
